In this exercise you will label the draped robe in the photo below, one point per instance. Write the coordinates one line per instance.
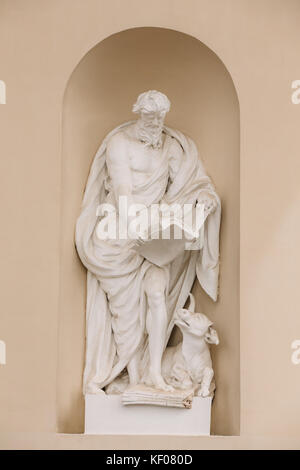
(117, 307)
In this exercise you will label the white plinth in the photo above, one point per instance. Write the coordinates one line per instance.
(105, 414)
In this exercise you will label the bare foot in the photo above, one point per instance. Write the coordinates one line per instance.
(203, 392)
(159, 383)
(133, 383)
(94, 388)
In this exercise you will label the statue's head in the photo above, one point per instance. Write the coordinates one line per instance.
(152, 101)
(195, 324)
(152, 107)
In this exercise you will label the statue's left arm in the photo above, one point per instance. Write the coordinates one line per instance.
(189, 183)
(207, 194)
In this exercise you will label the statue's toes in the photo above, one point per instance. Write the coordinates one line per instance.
(166, 387)
(169, 388)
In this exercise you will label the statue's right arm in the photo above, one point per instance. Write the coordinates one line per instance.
(117, 160)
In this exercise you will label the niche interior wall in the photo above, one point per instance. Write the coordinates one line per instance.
(99, 96)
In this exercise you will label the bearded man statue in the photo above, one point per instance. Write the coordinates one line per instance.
(131, 302)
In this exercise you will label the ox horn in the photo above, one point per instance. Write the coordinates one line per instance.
(192, 303)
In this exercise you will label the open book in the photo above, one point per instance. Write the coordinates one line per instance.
(169, 236)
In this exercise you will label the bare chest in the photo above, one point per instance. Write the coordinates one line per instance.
(144, 159)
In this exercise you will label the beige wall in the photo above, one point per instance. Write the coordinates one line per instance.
(99, 96)
(41, 44)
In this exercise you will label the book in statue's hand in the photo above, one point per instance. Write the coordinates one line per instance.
(168, 237)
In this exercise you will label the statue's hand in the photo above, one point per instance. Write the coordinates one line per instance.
(210, 206)
(209, 203)
(139, 241)
(139, 238)
(138, 225)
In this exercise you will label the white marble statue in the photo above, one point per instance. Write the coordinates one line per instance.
(131, 301)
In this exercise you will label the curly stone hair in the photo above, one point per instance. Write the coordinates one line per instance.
(152, 101)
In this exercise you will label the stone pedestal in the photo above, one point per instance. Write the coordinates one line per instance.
(105, 414)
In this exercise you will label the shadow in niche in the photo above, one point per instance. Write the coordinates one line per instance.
(98, 97)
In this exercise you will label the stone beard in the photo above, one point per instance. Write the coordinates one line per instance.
(149, 134)
(131, 302)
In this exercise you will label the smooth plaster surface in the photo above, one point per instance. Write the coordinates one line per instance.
(40, 46)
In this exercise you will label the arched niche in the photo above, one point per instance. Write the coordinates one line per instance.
(98, 97)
